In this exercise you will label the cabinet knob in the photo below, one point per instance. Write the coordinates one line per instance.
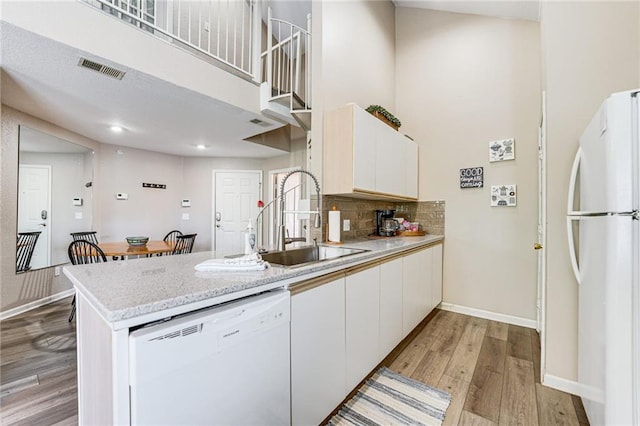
(537, 246)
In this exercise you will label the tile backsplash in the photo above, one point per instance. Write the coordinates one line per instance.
(361, 213)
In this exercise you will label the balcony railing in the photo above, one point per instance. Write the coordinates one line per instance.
(227, 31)
(286, 64)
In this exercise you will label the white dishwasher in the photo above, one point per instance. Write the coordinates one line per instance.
(226, 365)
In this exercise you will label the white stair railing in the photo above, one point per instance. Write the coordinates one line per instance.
(227, 31)
(286, 63)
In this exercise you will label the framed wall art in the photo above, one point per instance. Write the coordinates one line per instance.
(502, 150)
(503, 196)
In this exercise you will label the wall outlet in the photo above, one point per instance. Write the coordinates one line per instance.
(185, 216)
(346, 225)
(78, 215)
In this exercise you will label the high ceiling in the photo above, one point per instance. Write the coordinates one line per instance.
(41, 77)
(515, 9)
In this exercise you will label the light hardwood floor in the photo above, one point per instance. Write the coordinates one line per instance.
(490, 368)
(38, 367)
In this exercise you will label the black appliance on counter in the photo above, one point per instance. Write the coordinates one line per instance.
(386, 225)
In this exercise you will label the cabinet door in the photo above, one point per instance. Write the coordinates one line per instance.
(436, 274)
(363, 319)
(411, 167)
(416, 289)
(317, 352)
(390, 164)
(390, 306)
(364, 151)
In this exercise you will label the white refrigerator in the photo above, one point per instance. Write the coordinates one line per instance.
(605, 257)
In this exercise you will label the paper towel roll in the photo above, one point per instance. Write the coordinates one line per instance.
(334, 226)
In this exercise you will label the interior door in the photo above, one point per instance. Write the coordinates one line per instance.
(236, 195)
(34, 209)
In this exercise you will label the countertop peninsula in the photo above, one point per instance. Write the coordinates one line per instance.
(138, 291)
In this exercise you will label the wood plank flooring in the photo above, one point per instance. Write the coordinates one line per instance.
(38, 379)
(490, 368)
(492, 371)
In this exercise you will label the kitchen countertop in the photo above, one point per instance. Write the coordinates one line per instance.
(133, 292)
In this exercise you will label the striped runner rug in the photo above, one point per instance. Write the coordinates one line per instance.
(389, 398)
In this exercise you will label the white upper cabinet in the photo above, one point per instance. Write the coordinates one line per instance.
(363, 157)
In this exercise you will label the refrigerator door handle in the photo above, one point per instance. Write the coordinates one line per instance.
(572, 247)
(573, 180)
(573, 215)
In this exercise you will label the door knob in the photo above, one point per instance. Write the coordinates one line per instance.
(537, 246)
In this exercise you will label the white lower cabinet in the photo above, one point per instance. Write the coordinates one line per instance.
(317, 352)
(363, 324)
(416, 288)
(342, 329)
(390, 305)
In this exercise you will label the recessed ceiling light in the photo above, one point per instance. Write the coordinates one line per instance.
(201, 146)
(116, 129)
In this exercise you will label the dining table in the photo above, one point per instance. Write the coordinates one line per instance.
(122, 249)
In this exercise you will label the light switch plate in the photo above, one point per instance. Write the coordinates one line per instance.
(346, 225)
(122, 196)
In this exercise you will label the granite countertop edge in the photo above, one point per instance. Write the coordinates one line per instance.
(377, 249)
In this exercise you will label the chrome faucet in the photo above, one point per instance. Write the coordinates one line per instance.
(259, 227)
(316, 221)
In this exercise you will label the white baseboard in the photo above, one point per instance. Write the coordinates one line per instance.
(523, 322)
(564, 385)
(35, 304)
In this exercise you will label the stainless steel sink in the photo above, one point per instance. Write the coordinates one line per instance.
(309, 254)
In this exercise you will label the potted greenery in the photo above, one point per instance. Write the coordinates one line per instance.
(384, 115)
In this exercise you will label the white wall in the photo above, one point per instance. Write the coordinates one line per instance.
(353, 60)
(463, 81)
(147, 212)
(590, 49)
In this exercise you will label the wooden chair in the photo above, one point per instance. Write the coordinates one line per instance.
(171, 238)
(184, 244)
(82, 252)
(25, 245)
(86, 235)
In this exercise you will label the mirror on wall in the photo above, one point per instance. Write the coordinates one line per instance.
(55, 183)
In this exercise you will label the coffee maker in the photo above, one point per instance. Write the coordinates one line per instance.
(386, 225)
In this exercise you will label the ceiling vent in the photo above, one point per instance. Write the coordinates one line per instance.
(102, 69)
(260, 122)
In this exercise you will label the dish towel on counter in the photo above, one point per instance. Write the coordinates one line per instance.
(250, 262)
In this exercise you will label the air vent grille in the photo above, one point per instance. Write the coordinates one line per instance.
(260, 122)
(196, 328)
(101, 68)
